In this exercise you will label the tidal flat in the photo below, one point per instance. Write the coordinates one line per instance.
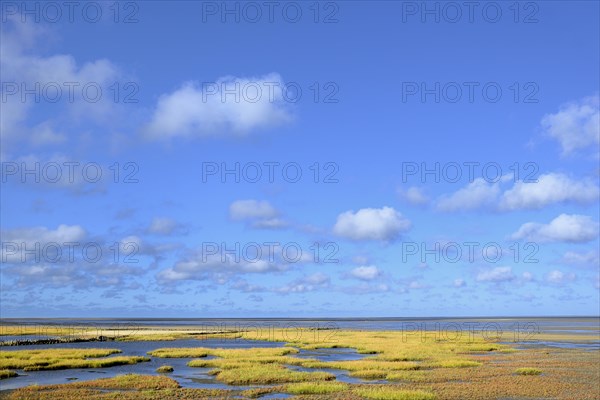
(175, 362)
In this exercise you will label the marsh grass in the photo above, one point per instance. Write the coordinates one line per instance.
(407, 376)
(122, 387)
(393, 393)
(369, 374)
(268, 374)
(316, 388)
(163, 369)
(7, 373)
(54, 359)
(528, 371)
(456, 364)
(424, 368)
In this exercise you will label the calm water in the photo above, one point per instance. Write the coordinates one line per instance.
(567, 325)
(186, 376)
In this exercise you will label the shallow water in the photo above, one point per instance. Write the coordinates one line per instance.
(188, 377)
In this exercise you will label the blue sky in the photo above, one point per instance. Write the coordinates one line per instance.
(129, 117)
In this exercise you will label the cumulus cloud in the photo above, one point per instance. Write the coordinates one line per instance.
(564, 228)
(549, 189)
(365, 273)
(590, 258)
(20, 64)
(309, 283)
(575, 126)
(16, 242)
(477, 194)
(164, 226)
(384, 224)
(498, 274)
(527, 276)
(222, 262)
(414, 195)
(258, 214)
(250, 209)
(211, 109)
(558, 277)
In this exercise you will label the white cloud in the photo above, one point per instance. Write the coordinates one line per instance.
(590, 258)
(575, 126)
(28, 238)
(259, 214)
(383, 224)
(318, 278)
(163, 226)
(550, 189)
(365, 273)
(208, 109)
(559, 277)
(52, 74)
(307, 284)
(251, 209)
(476, 194)
(459, 282)
(527, 276)
(498, 274)
(414, 195)
(564, 228)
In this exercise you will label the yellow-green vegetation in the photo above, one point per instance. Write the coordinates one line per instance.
(316, 387)
(267, 374)
(409, 376)
(393, 393)
(52, 359)
(369, 374)
(457, 364)
(163, 369)
(7, 373)
(528, 371)
(123, 387)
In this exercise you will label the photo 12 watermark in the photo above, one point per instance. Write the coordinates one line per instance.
(255, 252)
(469, 331)
(251, 91)
(469, 252)
(92, 12)
(15, 252)
(253, 12)
(469, 171)
(270, 172)
(67, 173)
(471, 12)
(469, 92)
(70, 92)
